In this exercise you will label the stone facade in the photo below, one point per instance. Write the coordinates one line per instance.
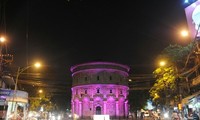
(100, 88)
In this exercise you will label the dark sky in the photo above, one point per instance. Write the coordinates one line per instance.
(62, 33)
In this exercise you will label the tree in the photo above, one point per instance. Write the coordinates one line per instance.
(137, 100)
(41, 101)
(178, 55)
(165, 87)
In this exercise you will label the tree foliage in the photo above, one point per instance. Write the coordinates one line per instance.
(177, 52)
(41, 100)
(165, 86)
(138, 99)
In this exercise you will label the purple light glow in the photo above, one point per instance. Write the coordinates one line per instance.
(3, 97)
(193, 19)
(100, 63)
(100, 88)
(97, 70)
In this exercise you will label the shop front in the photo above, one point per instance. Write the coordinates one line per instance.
(13, 104)
(191, 103)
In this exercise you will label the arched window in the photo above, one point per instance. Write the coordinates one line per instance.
(110, 90)
(98, 90)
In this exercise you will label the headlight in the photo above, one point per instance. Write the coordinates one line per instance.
(53, 117)
(166, 115)
(59, 117)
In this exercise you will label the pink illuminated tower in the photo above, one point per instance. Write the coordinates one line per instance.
(100, 88)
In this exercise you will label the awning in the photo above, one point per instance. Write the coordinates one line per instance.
(187, 99)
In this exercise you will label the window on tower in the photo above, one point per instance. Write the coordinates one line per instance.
(98, 90)
(86, 79)
(110, 77)
(111, 91)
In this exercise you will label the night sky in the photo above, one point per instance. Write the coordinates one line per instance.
(63, 33)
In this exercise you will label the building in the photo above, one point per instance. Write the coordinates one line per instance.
(12, 102)
(100, 88)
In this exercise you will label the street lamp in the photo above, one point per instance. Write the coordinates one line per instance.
(20, 70)
(162, 63)
(40, 91)
(2, 40)
(184, 33)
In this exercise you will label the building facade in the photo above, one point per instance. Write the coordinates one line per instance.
(100, 88)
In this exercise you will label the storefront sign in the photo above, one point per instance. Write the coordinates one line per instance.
(198, 99)
(193, 19)
(4, 92)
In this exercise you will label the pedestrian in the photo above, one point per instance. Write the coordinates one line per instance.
(180, 116)
(142, 115)
(195, 116)
(175, 116)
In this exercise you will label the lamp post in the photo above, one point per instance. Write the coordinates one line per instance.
(2, 40)
(19, 71)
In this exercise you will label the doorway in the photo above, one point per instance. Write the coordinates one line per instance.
(98, 110)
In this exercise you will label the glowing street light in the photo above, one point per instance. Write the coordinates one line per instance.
(162, 63)
(21, 70)
(40, 91)
(37, 65)
(184, 33)
(2, 39)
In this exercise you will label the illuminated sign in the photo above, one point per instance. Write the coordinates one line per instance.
(4, 92)
(101, 117)
(193, 19)
(189, 1)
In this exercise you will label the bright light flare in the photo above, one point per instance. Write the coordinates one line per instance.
(37, 65)
(186, 1)
(40, 91)
(30, 114)
(101, 117)
(166, 115)
(184, 33)
(58, 117)
(2, 39)
(162, 63)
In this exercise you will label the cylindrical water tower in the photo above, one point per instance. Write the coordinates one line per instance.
(100, 88)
